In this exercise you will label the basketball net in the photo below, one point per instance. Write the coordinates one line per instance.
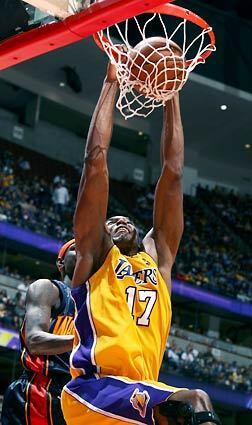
(132, 103)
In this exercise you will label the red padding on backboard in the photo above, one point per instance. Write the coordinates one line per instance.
(50, 37)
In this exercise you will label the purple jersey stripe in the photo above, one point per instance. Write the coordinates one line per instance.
(116, 397)
(82, 356)
(79, 295)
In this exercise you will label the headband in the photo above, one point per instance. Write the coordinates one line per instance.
(62, 253)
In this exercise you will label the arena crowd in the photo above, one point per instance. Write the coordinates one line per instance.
(205, 367)
(214, 250)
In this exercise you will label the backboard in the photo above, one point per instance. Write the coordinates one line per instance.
(58, 23)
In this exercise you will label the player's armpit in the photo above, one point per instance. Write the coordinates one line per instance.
(150, 246)
(161, 254)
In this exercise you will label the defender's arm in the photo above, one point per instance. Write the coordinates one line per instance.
(167, 229)
(42, 295)
(92, 242)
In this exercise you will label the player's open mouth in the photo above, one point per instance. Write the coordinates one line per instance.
(121, 229)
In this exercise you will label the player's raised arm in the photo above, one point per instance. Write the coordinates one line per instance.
(92, 242)
(163, 241)
(42, 296)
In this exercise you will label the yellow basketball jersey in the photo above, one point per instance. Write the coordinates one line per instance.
(123, 320)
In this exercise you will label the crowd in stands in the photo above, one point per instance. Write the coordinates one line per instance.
(32, 202)
(204, 366)
(235, 210)
(209, 256)
(11, 309)
(15, 274)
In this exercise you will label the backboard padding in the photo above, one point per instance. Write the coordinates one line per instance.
(52, 36)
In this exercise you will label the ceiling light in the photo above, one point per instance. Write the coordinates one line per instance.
(247, 146)
(223, 107)
(62, 84)
(140, 133)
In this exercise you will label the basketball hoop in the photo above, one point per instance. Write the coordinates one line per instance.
(135, 102)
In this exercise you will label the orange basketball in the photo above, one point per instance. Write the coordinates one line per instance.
(158, 64)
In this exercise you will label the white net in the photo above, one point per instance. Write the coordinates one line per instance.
(146, 84)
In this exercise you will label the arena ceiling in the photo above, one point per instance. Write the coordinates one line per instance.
(219, 135)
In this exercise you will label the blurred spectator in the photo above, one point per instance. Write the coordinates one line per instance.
(24, 164)
(18, 310)
(5, 318)
(60, 197)
(173, 355)
(56, 180)
(11, 310)
(23, 287)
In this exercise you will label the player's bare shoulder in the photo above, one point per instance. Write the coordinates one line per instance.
(43, 291)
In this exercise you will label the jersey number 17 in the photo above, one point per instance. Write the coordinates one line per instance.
(146, 296)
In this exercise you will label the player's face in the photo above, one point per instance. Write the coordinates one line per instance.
(122, 229)
(70, 261)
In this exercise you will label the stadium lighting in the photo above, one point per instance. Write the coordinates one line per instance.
(223, 107)
(247, 146)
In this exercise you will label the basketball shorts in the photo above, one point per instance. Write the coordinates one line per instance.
(111, 400)
(33, 400)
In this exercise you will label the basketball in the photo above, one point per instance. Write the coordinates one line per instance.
(157, 64)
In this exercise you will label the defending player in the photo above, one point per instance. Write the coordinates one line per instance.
(122, 292)
(46, 340)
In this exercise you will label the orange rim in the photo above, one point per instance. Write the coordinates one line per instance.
(178, 12)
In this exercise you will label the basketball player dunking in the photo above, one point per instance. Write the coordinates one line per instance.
(122, 291)
(46, 342)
